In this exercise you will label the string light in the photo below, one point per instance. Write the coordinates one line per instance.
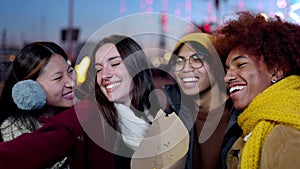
(122, 6)
(81, 69)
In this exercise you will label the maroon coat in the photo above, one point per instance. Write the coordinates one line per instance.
(60, 136)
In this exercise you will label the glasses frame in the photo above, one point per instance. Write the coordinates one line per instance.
(173, 63)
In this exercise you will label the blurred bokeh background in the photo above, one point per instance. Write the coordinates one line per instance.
(70, 23)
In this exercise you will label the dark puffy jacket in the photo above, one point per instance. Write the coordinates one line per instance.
(175, 105)
(61, 135)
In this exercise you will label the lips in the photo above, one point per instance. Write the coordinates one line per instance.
(110, 86)
(189, 82)
(235, 89)
(189, 79)
(69, 96)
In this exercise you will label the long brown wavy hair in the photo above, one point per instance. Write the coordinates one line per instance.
(138, 67)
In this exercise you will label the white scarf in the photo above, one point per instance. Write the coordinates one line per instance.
(132, 127)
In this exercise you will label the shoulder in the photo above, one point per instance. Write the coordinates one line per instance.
(12, 128)
(281, 148)
(282, 134)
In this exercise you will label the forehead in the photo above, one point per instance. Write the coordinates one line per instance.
(105, 52)
(56, 63)
(186, 49)
(235, 52)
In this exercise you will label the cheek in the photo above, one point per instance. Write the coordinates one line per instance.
(53, 90)
(261, 85)
(176, 74)
(98, 79)
(50, 95)
(128, 83)
(205, 75)
(258, 82)
(45, 87)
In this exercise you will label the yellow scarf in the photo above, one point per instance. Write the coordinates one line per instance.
(278, 104)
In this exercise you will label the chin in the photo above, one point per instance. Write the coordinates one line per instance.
(190, 92)
(68, 104)
(239, 107)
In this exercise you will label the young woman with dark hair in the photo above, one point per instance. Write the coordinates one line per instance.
(43, 64)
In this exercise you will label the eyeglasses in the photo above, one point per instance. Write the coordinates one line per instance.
(195, 61)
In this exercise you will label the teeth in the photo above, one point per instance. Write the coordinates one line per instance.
(190, 79)
(236, 88)
(69, 95)
(112, 85)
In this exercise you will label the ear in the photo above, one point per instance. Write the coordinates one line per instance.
(277, 75)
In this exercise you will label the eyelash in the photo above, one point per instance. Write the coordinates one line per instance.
(241, 64)
(70, 70)
(113, 65)
(58, 78)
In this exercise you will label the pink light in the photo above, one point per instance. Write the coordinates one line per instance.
(259, 6)
(122, 6)
(281, 3)
(166, 28)
(177, 12)
(149, 2)
(241, 5)
(188, 5)
(149, 9)
(209, 7)
(122, 9)
(142, 5)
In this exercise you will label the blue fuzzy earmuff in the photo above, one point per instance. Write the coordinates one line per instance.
(28, 95)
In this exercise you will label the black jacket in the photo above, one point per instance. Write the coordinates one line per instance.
(175, 105)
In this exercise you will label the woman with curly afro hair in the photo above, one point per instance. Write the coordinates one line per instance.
(262, 60)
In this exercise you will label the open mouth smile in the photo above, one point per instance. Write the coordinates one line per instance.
(111, 86)
(69, 95)
(189, 79)
(235, 89)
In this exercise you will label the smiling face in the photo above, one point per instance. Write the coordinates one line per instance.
(57, 79)
(112, 75)
(192, 80)
(246, 77)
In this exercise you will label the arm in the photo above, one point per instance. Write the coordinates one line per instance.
(281, 149)
(42, 148)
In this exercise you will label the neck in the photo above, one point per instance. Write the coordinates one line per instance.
(211, 98)
(51, 110)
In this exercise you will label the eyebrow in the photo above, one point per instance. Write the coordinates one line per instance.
(112, 58)
(61, 72)
(54, 76)
(235, 59)
(238, 57)
(188, 56)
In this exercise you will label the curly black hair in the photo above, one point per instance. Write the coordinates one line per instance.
(277, 41)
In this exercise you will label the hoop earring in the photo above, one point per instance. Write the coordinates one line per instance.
(273, 81)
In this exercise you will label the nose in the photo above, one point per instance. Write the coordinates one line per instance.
(107, 73)
(230, 76)
(187, 67)
(71, 80)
